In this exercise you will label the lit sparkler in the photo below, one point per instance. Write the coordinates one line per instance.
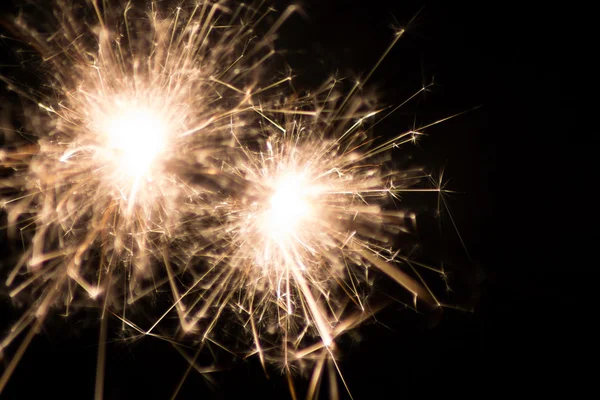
(308, 218)
(134, 91)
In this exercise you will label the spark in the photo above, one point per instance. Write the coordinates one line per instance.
(137, 137)
(308, 215)
(289, 206)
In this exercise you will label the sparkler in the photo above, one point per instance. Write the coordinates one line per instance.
(134, 90)
(308, 216)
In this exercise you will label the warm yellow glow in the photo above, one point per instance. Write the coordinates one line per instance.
(289, 205)
(136, 136)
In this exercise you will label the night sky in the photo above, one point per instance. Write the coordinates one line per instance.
(501, 56)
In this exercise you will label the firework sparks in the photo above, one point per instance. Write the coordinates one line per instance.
(154, 137)
(308, 215)
(133, 91)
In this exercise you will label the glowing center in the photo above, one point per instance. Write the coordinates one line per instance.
(288, 205)
(137, 136)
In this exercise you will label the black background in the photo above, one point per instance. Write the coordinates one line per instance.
(503, 56)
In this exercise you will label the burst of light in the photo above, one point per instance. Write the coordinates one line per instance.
(306, 224)
(289, 205)
(136, 136)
